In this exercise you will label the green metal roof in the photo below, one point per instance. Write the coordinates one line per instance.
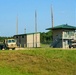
(64, 26)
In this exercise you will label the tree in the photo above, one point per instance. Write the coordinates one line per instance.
(3, 38)
(46, 37)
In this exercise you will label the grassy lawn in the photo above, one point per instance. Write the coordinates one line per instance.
(38, 61)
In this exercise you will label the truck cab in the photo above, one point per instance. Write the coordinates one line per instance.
(10, 43)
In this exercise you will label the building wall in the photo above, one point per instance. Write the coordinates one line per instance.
(59, 45)
(31, 40)
(37, 39)
(28, 40)
(21, 40)
(65, 44)
(66, 36)
(57, 33)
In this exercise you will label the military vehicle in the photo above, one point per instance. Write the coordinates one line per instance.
(10, 44)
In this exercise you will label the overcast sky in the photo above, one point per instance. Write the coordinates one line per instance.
(64, 12)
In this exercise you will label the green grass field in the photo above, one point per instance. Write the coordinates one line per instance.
(38, 61)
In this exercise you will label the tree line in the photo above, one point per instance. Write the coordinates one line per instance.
(3, 38)
(46, 37)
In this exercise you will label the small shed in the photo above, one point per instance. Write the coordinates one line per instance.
(28, 40)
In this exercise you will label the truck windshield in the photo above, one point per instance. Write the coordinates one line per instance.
(11, 41)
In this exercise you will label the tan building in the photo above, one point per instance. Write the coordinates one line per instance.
(64, 36)
(28, 40)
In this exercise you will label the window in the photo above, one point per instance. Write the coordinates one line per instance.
(75, 36)
(22, 36)
(9, 41)
(71, 33)
(13, 41)
(16, 36)
(65, 34)
(68, 34)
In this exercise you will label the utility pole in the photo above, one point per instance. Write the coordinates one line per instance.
(36, 27)
(17, 25)
(25, 31)
(52, 19)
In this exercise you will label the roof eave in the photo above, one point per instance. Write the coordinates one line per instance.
(60, 28)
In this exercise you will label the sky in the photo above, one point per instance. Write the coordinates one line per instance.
(64, 13)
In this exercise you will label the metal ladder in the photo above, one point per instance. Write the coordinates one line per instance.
(55, 42)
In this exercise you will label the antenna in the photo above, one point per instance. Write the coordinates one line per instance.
(25, 31)
(17, 25)
(52, 20)
(35, 21)
(36, 26)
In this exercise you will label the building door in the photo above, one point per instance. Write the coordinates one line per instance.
(65, 44)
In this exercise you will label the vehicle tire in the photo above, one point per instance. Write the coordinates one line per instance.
(13, 48)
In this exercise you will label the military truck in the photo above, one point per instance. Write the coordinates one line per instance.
(10, 44)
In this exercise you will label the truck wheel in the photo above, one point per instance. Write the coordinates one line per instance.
(69, 46)
(13, 48)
